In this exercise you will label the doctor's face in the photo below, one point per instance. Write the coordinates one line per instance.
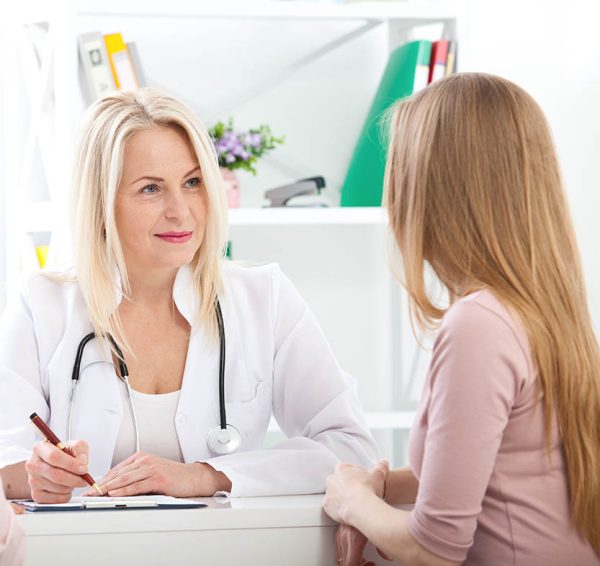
(161, 202)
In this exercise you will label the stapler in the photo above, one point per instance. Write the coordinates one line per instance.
(281, 196)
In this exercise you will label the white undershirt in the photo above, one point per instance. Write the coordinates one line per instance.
(156, 426)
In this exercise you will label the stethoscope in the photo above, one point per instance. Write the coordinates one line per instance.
(223, 439)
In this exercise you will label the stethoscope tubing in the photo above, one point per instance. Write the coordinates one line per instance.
(123, 374)
(222, 413)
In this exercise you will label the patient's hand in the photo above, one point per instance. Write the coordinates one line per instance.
(18, 509)
(350, 545)
(142, 474)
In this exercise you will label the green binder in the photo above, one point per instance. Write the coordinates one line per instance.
(407, 70)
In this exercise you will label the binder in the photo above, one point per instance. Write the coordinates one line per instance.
(112, 503)
(451, 59)
(42, 254)
(120, 62)
(407, 71)
(93, 57)
(134, 55)
(439, 58)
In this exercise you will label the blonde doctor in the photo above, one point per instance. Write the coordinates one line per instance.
(143, 407)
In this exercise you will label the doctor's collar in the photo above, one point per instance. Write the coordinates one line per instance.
(184, 295)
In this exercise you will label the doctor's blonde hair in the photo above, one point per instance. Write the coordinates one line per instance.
(100, 265)
(473, 188)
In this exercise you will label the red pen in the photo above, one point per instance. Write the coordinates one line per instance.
(51, 437)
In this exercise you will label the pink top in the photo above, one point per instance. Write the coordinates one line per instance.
(488, 494)
(12, 540)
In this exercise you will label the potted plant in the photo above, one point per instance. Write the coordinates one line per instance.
(240, 150)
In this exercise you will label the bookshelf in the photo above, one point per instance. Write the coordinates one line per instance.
(41, 214)
(306, 216)
(338, 257)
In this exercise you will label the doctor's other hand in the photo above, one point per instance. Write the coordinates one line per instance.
(53, 474)
(143, 474)
(349, 485)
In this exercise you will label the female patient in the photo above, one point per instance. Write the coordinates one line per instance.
(505, 449)
(149, 275)
(12, 541)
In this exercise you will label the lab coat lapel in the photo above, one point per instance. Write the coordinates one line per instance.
(185, 296)
(198, 409)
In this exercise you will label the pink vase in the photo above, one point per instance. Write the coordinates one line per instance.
(232, 187)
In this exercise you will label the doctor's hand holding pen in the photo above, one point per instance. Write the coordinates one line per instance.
(53, 474)
(55, 469)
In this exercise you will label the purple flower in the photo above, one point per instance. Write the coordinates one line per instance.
(238, 149)
(253, 140)
(229, 158)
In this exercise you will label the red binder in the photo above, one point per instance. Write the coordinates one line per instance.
(439, 57)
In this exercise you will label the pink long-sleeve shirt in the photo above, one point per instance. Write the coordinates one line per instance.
(488, 493)
(12, 539)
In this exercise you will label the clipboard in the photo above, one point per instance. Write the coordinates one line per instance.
(112, 503)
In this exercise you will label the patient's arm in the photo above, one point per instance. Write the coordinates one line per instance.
(15, 481)
(401, 487)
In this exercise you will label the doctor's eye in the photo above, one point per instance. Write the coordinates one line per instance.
(193, 182)
(149, 189)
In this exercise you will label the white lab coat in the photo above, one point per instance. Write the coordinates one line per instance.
(278, 362)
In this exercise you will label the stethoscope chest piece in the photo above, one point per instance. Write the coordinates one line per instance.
(224, 441)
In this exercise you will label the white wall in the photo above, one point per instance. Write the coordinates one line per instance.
(551, 49)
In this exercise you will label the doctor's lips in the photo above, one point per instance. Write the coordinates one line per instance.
(175, 237)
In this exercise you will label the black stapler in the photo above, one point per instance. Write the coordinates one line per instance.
(281, 196)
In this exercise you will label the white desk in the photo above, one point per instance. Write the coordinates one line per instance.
(261, 530)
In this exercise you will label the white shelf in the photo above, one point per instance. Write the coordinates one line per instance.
(393, 420)
(40, 216)
(417, 10)
(299, 216)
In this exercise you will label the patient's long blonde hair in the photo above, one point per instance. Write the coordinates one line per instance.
(473, 188)
(100, 264)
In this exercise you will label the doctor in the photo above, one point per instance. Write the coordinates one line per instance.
(184, 341)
